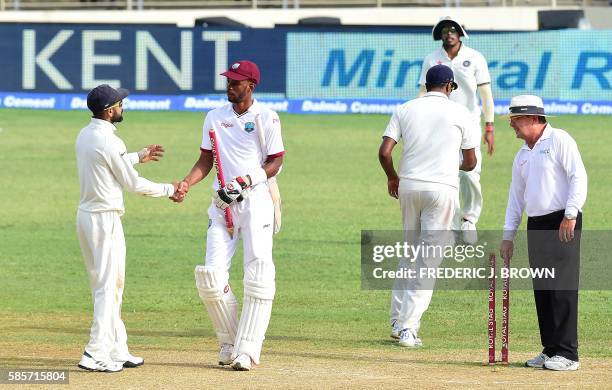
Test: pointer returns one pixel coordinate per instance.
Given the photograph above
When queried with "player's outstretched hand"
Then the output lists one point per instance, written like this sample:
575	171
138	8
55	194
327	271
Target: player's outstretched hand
234	191
180	191
489	139
151	153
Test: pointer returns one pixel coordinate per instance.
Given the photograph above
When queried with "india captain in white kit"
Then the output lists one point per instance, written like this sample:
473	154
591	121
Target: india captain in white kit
105	171
248	160
472	76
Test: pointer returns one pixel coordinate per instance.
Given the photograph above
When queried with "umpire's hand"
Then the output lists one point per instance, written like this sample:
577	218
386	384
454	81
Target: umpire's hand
506	249
566	230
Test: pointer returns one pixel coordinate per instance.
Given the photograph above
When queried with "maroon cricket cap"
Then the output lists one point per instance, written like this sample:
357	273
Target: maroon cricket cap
243	70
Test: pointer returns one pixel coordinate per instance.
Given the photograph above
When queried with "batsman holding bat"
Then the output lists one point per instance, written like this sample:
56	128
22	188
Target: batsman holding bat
243	141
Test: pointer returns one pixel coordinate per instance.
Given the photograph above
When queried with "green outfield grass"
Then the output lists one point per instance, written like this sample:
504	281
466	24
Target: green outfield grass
332	188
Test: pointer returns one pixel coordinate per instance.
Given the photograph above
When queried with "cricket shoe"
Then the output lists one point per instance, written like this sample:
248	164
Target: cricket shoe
560	363
128	361
225	354
538	361
242	363
408	338
469	233
90	364
395	330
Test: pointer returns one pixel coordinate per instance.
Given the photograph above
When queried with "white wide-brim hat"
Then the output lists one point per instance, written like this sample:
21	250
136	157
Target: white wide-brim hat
436	31
526	105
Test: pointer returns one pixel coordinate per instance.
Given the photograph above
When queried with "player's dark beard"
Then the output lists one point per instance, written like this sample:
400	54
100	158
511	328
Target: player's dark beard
237	98
117	117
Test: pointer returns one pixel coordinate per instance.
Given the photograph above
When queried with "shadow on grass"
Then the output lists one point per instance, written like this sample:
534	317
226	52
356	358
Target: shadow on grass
71	364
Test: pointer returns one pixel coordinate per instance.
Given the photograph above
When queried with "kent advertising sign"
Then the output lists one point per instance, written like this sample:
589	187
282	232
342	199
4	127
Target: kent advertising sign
143	59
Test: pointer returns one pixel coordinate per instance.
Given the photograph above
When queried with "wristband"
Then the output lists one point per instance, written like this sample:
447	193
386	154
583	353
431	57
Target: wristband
489	128
142	154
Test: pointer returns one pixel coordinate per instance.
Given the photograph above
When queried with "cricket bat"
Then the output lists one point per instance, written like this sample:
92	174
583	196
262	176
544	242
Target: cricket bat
218	167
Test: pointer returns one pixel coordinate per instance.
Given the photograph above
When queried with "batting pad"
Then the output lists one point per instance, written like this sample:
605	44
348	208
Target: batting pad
220	302
259	289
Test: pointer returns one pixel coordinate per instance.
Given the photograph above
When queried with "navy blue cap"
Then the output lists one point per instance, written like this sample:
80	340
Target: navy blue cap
103	96
440	75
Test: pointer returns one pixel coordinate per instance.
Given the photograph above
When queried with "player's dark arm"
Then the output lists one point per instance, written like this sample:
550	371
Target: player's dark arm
273	165
200	169
385	156
488	110
469	159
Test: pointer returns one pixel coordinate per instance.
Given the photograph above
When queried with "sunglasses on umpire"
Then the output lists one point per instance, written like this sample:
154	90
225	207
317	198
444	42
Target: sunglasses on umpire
449	29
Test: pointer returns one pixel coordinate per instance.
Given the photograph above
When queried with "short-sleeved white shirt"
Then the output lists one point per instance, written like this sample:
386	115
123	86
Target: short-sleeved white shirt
470	69
238	142
433	128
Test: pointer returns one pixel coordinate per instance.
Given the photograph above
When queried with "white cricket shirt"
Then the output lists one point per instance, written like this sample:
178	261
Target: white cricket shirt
238	141
105	169
470	70
548	178
433	129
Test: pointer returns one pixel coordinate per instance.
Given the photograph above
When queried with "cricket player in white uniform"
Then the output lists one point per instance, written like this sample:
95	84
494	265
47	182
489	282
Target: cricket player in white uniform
472	75
246	169
433	128
105	170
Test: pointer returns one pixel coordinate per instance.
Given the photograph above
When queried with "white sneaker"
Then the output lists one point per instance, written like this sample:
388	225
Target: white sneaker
408	338
559	363
395	330
468	230
128	361
225	354
538	361
242	363
90	364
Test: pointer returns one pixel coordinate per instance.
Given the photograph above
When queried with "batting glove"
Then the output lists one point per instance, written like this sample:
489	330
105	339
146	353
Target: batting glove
234	191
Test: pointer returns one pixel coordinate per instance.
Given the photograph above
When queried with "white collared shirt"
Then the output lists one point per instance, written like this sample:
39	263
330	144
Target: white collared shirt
238	142
105	169
470	70
433	128
548	178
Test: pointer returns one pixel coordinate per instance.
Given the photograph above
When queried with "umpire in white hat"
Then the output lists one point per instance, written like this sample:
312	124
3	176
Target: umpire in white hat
549	183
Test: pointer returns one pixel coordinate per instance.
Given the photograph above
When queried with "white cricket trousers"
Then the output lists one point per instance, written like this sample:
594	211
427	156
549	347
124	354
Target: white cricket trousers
103	246
470	194
424	215
253	222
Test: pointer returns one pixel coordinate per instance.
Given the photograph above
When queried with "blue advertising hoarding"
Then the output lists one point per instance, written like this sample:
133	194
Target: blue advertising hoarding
563	65
314	71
